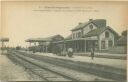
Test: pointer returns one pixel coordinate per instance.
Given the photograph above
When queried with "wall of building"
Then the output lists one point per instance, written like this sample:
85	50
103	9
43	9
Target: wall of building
103	38
75	34
82	31
87	28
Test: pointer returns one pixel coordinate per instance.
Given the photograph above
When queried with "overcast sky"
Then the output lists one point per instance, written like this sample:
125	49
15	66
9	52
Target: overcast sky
23	20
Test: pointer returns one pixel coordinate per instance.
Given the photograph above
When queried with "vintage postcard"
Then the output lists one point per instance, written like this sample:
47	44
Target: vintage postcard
63	41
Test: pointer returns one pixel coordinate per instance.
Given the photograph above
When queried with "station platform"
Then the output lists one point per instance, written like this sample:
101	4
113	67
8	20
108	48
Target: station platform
116	63
97	66
104	55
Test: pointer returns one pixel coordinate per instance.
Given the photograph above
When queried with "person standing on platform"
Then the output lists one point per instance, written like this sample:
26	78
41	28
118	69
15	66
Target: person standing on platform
70	52
92	53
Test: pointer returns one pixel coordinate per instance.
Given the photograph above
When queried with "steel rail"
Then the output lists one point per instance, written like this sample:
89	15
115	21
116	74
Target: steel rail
105	74
63	75
15	60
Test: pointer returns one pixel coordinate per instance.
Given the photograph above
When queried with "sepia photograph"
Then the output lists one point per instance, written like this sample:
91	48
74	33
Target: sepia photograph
63	40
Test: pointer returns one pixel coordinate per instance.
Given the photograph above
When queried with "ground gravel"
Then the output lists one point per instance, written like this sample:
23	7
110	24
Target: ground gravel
12	72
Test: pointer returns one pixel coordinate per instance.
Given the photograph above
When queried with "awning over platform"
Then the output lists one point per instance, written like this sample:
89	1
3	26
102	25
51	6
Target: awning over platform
47	39
77	39
37	40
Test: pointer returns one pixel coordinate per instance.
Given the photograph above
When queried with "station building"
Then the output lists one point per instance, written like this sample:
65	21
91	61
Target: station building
93	33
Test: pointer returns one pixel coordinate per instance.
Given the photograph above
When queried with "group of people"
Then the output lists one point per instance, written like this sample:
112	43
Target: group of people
70	52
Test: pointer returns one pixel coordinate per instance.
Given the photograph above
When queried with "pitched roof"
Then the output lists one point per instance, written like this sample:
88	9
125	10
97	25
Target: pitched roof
42	39
81	25
95	22
98	31
32	39
94	32
122	40
68	37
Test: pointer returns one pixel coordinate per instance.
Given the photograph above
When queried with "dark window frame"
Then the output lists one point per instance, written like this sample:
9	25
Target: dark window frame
110	43
107	34
103	44
91	26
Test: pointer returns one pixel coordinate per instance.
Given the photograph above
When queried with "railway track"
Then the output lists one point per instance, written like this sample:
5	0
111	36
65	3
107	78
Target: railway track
109	73
44	73
74	66
31	70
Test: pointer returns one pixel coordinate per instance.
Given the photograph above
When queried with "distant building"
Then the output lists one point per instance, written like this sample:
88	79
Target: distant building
93	33
121	45
43	44
122	41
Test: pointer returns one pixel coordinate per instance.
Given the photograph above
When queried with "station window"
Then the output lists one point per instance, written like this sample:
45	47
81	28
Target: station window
79	34
76	35
102	44
73	35
107	34
91	26
110	43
